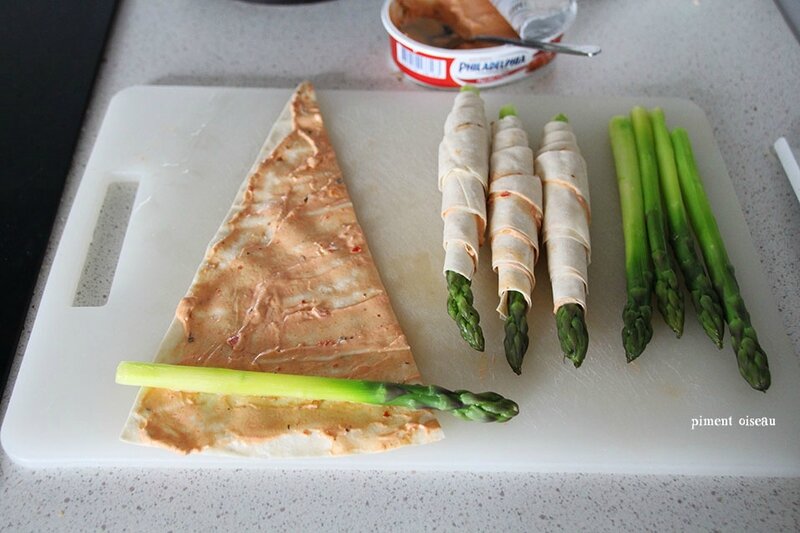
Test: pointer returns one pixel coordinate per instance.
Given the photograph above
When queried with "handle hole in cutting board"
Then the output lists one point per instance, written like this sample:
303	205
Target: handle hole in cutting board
103	254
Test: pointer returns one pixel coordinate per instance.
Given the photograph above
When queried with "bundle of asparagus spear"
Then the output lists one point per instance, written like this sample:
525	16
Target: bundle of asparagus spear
518	211
651	162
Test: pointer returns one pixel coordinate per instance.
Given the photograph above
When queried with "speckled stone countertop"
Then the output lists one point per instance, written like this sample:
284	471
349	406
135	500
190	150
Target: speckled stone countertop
737	60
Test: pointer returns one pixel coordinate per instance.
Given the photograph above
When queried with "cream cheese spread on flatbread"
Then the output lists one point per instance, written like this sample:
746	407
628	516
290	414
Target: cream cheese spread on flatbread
287	285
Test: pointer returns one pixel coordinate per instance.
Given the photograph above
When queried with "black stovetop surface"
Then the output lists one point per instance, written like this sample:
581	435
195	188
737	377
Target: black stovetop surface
51	53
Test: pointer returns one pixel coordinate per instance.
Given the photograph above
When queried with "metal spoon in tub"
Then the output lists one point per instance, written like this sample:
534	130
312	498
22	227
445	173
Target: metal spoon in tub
436	33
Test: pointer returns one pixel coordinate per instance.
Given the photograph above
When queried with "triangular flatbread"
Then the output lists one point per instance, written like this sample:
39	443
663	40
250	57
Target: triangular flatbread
287	285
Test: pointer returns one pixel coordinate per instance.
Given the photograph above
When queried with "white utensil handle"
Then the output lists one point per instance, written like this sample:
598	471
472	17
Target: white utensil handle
789	164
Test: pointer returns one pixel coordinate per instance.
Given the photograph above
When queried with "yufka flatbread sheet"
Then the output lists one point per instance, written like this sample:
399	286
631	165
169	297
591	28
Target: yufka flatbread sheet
287	285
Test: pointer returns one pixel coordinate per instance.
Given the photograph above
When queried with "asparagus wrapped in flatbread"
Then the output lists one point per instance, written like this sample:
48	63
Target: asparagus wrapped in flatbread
566	232
287	286
515	218
463	181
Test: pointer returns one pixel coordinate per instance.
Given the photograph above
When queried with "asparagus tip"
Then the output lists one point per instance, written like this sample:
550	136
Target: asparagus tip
472	334
470	88
753	364
561	117
576	361
760	384
516	330
515	354
636	330
508	110
477	407
485	407
572	333
479	344
460	308
675	323
632	352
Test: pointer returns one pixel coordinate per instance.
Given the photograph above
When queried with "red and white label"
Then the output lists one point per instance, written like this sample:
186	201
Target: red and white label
482	70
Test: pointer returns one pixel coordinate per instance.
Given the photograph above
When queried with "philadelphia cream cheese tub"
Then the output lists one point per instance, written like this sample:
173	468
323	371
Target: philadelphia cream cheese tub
447	68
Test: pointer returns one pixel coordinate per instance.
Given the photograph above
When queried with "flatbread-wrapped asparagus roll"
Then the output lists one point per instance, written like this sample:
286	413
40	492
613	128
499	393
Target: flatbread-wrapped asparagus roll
463	180
515	218
566	232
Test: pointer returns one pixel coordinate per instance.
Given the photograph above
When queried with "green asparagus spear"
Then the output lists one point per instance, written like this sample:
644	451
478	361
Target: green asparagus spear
570	321
484	407
750	356
460	309
705	300
516	328
668	292
636	316
572	333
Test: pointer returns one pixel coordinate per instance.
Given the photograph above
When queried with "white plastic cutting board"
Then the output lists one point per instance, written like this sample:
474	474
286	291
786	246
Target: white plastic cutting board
189	148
